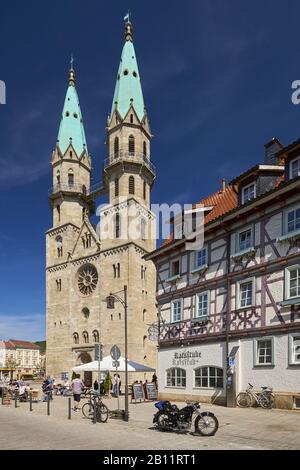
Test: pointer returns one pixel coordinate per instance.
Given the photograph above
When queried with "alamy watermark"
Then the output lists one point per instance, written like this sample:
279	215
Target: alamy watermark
2	92
296	94
128	220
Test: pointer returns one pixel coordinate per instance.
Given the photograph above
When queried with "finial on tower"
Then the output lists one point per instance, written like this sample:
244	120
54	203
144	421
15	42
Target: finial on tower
128	27
72	72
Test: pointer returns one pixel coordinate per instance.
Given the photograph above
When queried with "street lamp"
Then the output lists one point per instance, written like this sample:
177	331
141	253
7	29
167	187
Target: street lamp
110	302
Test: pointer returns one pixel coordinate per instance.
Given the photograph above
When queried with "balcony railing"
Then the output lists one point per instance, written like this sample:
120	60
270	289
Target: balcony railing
136	157
95	189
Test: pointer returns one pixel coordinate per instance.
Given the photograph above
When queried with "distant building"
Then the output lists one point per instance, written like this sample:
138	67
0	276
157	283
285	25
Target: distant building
230	312
18	358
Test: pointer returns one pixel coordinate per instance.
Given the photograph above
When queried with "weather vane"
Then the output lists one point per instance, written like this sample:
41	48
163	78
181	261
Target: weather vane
127	17
72	61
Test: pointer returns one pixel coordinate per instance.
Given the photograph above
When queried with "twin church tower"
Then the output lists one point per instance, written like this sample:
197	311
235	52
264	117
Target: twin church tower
84	264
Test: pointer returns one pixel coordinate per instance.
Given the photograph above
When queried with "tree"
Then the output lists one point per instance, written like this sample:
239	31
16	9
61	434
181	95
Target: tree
107	383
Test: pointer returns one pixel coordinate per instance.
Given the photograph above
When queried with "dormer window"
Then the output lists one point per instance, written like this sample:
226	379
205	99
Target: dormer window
248	193
295	168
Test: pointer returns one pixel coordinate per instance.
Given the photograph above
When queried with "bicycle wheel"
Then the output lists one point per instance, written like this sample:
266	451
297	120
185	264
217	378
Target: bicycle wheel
88	410
244	400
267	400
102	412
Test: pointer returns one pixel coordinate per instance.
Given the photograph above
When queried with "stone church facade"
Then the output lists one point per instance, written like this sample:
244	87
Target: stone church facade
84	265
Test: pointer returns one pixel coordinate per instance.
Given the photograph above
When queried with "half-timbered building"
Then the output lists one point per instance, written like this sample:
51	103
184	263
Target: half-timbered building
230	312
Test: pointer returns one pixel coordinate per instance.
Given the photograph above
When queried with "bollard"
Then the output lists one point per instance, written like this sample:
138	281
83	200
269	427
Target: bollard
30	402
69	407
16	401
48	405
95	412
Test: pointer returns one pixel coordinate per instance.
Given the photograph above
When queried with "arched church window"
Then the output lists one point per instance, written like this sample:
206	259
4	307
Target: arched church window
85	312
71	154
96	336
144	314
58	177
131	118
76	338
144	190
143	228
85	337
70	178
131	144
116	147
117	226
145	149
59	245
83	189
144	341
116	187
131	184
58	212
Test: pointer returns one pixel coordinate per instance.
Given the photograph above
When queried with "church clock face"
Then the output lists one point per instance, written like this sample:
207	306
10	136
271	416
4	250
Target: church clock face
87	279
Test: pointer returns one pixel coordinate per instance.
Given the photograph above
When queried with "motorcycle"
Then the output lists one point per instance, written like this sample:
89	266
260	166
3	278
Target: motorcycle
170	418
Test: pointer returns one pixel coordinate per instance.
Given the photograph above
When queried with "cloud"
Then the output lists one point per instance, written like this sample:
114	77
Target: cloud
23	327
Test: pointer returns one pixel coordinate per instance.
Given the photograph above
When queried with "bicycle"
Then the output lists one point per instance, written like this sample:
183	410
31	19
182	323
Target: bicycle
102	411
265	398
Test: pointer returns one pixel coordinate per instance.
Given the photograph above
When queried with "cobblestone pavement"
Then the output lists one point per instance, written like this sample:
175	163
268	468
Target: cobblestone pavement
239	429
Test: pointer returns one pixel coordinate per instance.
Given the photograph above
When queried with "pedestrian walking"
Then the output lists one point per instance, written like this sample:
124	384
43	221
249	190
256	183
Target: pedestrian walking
77	388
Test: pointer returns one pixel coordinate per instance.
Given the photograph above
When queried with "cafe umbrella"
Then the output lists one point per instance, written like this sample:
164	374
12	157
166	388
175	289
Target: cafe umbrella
108	364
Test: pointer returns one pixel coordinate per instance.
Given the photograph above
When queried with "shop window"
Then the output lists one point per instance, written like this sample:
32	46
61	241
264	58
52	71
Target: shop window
176	377
209	377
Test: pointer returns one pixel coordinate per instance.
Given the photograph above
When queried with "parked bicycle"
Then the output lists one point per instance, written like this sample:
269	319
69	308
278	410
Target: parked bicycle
265	398
88	408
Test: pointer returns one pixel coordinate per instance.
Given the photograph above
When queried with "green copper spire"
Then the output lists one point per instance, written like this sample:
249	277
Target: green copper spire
71	130
128	90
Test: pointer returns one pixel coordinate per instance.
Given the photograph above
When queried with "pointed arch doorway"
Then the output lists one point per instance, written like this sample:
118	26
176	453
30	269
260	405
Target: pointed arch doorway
84	358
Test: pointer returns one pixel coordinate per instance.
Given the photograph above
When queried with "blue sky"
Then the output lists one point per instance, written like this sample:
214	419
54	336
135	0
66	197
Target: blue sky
216	78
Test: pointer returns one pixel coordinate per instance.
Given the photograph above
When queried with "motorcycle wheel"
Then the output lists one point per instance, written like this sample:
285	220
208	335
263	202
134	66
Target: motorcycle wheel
162	421
206	425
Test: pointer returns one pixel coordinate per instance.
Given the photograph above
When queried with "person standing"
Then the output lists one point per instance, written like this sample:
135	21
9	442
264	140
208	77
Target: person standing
77	387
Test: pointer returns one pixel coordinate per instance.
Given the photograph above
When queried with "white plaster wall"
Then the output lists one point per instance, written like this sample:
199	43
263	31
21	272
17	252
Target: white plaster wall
211	354
281	376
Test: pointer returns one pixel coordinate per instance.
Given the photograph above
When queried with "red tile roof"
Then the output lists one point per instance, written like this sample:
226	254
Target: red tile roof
8	345
23	344
221	201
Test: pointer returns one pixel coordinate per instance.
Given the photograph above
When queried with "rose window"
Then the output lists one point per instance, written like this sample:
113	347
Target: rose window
87	279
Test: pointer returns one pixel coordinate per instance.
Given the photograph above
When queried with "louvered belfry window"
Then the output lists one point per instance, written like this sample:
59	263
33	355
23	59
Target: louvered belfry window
131	146
131	185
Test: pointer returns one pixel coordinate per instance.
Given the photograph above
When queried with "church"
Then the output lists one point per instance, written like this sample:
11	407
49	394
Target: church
85	263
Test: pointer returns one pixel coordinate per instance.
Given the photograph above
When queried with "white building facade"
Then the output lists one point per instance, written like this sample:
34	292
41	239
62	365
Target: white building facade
230	312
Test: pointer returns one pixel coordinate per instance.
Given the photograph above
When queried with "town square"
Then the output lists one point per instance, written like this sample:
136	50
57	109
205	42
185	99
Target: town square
150	229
